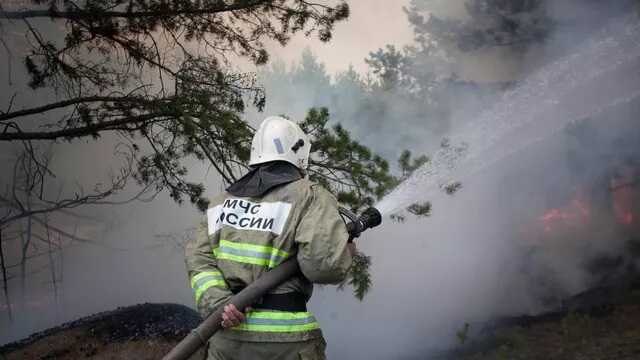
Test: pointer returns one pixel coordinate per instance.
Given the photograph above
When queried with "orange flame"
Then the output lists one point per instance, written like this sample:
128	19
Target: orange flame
576	213
623	205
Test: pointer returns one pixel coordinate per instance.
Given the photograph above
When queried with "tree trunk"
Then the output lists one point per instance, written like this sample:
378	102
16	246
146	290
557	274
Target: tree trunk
5	281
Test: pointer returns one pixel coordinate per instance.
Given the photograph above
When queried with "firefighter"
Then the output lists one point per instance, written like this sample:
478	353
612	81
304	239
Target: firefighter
270	214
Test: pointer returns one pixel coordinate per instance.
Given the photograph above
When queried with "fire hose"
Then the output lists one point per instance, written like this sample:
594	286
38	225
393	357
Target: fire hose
249	295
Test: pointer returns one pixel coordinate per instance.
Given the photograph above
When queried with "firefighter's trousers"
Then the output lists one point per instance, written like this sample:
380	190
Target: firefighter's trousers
227	349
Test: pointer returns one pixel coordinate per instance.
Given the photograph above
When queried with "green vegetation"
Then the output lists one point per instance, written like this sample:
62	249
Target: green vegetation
359	276
157	75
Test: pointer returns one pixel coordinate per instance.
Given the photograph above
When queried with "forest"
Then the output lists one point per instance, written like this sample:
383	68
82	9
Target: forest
499	140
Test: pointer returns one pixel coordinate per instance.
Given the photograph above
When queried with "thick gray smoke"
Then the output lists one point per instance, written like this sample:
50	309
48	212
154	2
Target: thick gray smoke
486	252
524	233
121	255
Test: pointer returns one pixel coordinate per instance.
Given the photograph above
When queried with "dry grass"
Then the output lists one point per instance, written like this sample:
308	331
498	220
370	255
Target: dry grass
615	336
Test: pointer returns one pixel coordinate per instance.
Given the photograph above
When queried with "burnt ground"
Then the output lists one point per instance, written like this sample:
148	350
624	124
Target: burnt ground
602	323
145	331
599	324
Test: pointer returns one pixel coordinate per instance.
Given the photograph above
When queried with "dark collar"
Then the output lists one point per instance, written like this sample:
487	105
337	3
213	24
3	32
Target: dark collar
264	177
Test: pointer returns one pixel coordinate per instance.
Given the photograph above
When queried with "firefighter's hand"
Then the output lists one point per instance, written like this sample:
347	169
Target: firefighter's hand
232	316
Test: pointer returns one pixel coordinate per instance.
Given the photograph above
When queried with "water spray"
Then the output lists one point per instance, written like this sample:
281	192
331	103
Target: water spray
530	110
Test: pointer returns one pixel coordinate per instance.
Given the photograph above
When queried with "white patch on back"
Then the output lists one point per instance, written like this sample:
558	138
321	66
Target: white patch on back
247	215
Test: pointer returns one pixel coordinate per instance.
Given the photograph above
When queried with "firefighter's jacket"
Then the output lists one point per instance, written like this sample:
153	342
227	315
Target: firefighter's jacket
244	237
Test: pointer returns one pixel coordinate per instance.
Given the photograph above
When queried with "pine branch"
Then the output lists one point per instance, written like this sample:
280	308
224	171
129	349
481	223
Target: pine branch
67	103
82	131
81	13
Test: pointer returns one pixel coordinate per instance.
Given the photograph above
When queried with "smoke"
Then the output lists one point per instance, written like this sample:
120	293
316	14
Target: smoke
120	255
110	255
487	252
483	254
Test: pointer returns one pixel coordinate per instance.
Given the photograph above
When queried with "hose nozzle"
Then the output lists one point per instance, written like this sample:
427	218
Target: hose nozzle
370	218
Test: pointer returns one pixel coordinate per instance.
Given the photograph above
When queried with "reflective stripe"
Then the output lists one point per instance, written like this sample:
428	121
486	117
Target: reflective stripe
250	253
278	321
203	275
279	146
204	280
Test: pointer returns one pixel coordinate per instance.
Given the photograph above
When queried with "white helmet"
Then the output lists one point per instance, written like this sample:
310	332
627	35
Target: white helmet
280	139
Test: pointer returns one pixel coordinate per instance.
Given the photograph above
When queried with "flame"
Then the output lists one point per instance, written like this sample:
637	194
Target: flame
625	196
623	205
575	214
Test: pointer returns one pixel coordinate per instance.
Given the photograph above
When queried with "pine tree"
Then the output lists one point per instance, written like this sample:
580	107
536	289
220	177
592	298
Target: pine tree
157	73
